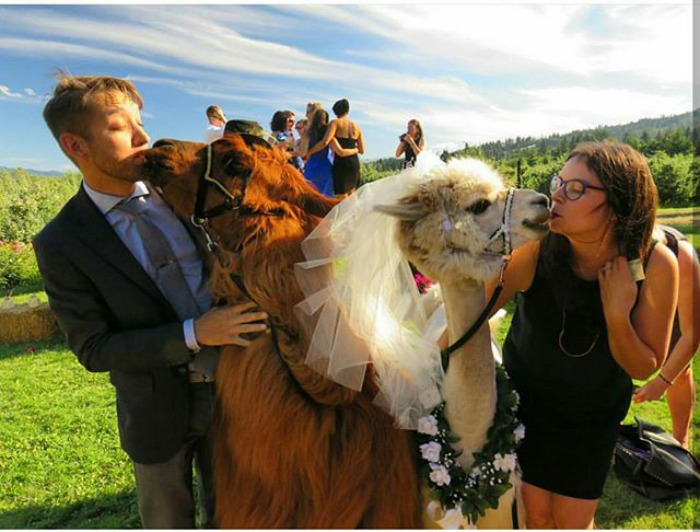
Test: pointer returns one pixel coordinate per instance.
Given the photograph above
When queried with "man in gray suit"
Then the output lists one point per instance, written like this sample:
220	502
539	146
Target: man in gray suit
130	291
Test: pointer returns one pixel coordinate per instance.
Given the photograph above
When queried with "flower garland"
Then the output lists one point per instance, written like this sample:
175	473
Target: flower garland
466	496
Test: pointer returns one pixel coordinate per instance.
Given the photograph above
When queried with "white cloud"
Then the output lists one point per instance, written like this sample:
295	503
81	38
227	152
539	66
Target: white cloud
29	92
7	93
474	72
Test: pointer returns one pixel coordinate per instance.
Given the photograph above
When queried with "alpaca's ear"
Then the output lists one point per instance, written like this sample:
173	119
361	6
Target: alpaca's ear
403	211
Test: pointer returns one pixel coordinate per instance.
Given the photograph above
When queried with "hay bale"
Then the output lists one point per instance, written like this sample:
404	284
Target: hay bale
27	322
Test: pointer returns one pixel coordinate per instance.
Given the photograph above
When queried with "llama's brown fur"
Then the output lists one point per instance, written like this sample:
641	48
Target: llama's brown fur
292	448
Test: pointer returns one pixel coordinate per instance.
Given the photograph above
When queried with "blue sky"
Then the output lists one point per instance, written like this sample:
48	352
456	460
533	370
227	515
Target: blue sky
471	72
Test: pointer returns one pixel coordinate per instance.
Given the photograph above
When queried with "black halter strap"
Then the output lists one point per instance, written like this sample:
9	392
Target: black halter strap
445	353
201	217
502	232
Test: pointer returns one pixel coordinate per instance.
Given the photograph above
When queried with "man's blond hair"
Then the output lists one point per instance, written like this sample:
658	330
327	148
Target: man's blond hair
75	99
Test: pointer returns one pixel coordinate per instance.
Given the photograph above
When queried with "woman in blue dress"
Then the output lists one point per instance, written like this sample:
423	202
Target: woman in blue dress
319	168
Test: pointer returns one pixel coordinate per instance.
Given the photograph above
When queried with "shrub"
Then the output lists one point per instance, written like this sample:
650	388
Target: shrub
18	267
28	202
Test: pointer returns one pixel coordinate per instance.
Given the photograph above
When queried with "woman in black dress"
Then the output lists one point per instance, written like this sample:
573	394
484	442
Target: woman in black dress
583	328
346	170
411	143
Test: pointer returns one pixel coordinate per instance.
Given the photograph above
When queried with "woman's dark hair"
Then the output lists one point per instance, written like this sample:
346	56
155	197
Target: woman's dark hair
318	127
631	195
341	107
279	120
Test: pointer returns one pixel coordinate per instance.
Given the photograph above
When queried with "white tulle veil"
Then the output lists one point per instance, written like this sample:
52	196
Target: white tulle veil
362	305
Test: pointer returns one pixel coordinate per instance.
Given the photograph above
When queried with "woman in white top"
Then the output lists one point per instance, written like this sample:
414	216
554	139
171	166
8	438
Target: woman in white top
217	121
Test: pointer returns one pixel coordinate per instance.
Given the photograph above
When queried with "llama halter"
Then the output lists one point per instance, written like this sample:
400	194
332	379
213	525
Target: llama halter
504	231
201	217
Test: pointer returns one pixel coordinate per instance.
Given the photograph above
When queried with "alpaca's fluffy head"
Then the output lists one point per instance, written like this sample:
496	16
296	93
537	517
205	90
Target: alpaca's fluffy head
448	219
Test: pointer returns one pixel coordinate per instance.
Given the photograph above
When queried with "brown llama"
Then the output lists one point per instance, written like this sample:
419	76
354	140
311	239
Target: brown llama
293	449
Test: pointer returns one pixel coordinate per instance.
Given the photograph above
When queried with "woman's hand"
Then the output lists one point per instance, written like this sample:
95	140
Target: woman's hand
651	391
618	292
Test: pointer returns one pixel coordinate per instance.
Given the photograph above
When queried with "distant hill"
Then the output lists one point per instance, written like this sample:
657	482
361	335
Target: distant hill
644	128
51	173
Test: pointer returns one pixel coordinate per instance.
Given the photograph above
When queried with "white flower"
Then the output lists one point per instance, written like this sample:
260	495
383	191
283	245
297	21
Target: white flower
428	425
504	463
517	397
430	397
431	451
439	475
453	520
475	472
519	432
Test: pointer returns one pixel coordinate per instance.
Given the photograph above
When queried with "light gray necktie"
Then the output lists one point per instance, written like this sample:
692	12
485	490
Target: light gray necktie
171	282
169	277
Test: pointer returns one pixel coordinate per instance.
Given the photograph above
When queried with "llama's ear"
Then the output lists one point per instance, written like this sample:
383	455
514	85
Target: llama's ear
403	211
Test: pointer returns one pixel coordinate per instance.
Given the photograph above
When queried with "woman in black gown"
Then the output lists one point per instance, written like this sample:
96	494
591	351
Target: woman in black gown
411	143
583	328
346	170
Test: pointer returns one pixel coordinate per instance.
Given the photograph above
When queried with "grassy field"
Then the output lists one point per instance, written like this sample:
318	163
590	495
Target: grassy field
61	465
60	461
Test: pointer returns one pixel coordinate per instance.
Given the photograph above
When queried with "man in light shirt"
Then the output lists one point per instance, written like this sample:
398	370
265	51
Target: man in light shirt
130	291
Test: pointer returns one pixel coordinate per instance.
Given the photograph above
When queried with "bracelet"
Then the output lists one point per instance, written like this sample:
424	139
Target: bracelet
664	379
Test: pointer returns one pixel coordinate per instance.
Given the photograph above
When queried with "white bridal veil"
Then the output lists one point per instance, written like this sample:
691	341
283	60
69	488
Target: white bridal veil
362	304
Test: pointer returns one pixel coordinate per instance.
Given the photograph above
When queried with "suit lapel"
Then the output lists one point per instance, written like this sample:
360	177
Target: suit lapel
94	230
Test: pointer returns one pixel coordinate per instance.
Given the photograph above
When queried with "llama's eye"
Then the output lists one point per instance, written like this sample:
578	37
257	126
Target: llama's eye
479	206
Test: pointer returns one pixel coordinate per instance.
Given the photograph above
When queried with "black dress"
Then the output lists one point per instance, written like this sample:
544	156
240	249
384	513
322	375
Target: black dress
409	154
571	406
346	170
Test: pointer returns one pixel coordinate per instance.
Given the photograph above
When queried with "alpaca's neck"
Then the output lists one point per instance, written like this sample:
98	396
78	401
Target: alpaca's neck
469	388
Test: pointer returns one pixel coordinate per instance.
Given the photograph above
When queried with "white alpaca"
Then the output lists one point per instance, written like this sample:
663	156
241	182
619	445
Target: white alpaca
447	227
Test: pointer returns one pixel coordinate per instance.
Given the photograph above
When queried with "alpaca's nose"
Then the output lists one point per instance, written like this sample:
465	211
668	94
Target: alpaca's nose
540	200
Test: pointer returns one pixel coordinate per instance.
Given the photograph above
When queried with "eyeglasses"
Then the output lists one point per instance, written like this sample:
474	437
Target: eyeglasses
573	188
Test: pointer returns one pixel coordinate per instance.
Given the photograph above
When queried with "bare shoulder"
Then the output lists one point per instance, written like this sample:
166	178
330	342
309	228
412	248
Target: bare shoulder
686	253
661	262
661	271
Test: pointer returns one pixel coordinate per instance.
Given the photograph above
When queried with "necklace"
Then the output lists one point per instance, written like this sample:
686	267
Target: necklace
561	337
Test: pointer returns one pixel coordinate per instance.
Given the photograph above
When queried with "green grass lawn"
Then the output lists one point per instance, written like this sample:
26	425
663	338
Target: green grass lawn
60	461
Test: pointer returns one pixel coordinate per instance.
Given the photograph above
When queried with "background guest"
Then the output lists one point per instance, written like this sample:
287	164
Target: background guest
217	120
281	126
319	169
411	143
346	169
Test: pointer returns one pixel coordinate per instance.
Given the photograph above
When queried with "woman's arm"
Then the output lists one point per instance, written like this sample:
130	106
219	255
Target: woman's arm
412	143
638	337
689	321
360	141
401	148
340	151
303	146
325	141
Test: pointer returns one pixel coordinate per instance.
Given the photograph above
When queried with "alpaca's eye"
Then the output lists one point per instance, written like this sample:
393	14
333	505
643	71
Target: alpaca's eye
479	206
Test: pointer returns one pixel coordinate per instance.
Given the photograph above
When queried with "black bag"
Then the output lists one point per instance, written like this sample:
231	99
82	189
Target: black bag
653	463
